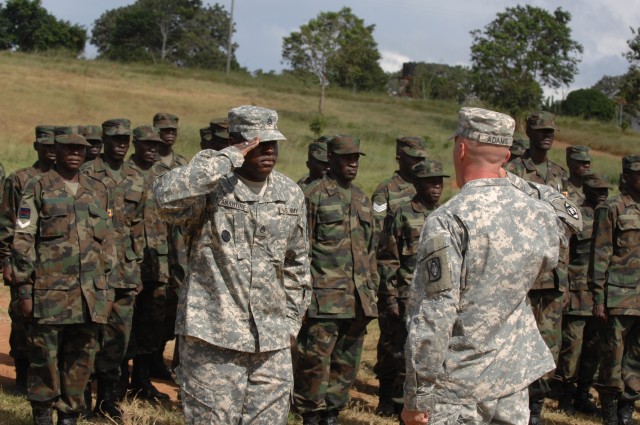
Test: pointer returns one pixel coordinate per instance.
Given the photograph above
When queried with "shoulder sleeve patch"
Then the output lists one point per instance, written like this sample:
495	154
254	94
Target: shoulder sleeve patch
435	265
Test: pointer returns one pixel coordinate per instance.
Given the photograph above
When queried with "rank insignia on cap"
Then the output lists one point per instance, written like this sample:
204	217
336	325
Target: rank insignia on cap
109	212
434	269
24	213
571	210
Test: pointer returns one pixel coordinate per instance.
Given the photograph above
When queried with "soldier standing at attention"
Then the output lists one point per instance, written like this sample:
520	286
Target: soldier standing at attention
614	276
546	295
62	255
389	195
12	192
578	360
93	134
317	162
396	257
167	124
146	334
126	203
218	135
473	346
345	282
578	163
247	288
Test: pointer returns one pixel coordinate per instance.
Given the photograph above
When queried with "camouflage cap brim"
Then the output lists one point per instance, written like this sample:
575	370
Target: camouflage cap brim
265	135
580	157
71	139
415	153
45	141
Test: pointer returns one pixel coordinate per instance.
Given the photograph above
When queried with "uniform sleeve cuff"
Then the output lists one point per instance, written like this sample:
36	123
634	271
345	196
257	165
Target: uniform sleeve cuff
422	403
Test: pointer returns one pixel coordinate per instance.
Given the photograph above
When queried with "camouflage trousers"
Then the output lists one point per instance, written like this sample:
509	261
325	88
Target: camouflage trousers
390	365
546	305
326	361
512	409
221	386
171	309
115	335
620	355
579	356
19	347
147	334
61	359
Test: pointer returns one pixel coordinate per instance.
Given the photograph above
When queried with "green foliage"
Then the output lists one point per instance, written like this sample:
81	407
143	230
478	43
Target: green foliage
179	32
437	81
26	26
630	85
318	125
338	47
588	104
523	48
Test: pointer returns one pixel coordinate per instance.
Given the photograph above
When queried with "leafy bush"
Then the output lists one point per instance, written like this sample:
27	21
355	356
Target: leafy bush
588	104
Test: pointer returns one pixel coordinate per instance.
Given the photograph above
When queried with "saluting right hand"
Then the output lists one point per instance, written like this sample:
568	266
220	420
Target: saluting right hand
245	147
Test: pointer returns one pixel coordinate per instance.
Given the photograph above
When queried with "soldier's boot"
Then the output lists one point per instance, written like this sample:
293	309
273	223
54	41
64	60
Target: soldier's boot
312	418
582	401
385	399
609	408
625	411
22	367
67	418
42	413
331	417
105	400
157	368
535	410
141	384
565	401
87	413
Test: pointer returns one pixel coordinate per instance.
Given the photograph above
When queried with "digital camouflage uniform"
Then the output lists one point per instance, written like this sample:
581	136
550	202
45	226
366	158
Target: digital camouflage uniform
472	337
247	286
396	259
126	203
62	254
614	275
13	186
546	294
345	282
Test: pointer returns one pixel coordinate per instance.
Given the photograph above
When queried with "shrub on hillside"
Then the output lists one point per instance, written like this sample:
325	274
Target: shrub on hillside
588	104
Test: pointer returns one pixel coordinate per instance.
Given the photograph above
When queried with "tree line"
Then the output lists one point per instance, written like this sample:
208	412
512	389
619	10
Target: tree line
524	49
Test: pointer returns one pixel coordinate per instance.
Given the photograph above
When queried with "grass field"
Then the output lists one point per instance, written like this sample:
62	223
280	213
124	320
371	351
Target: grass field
61	91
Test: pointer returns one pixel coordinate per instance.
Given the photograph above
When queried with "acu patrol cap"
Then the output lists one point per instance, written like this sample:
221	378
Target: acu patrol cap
485	126
116	127
253	121
165	120
541	120
596	181
631	163
146	133
92	132
343	144
412	146
44	134
579	153
318	150
427	168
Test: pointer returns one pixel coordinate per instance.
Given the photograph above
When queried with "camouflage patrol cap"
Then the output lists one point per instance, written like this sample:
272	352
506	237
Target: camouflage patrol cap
146	133
219	127
596	181
71	139
540	120
519	146
253	121
343	144
205	134
318	150
427	168
92	132
412	146
485	126
66	129
631	163
579	153
44	134
116	127
165	120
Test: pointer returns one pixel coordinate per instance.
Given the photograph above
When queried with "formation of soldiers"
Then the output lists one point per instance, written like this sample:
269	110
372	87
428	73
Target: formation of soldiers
94	271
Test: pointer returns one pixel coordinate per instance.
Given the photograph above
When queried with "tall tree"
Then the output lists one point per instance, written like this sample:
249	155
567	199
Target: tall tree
524	48
630	84
335	46
28	27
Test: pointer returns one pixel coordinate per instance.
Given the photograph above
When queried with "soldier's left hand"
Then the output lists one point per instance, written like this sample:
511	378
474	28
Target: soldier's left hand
26	305
7	276
139	288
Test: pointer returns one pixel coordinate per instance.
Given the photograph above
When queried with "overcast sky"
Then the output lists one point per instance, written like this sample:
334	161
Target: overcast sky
405	30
